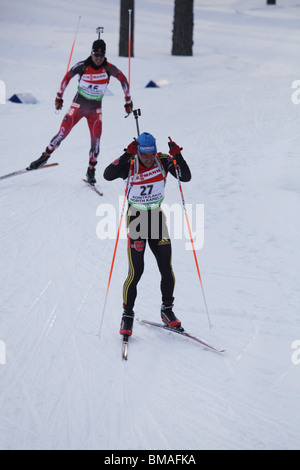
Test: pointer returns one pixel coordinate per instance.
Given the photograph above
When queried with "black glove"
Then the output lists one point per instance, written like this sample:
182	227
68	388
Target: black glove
128	106
58	103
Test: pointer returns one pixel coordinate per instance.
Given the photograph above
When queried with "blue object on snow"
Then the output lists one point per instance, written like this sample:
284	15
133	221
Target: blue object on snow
26	98
152	84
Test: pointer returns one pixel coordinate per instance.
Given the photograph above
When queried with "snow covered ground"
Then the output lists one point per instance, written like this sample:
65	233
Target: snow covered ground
231	108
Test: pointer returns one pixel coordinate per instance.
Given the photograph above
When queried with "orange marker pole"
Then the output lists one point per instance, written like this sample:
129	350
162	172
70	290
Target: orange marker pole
129	46
73	44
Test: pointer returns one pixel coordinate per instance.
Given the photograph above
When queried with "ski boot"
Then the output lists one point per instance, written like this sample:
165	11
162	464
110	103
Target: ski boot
127	322
40	161
168	316
90	176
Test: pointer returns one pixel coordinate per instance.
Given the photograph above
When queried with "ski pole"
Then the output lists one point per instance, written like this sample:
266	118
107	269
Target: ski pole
116	244
191	236
73	43
129	45
129	50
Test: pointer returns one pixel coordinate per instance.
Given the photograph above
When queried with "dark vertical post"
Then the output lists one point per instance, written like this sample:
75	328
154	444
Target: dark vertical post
183	25
126	5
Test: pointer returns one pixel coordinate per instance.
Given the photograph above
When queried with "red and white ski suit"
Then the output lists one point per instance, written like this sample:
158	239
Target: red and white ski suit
92	84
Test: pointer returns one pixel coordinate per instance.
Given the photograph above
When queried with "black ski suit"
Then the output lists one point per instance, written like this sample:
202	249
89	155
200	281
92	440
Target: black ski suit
148	223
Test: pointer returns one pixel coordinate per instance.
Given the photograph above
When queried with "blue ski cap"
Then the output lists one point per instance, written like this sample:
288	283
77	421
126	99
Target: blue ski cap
147	143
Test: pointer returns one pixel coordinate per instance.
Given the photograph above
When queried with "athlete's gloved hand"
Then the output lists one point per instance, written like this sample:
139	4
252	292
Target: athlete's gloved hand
132	147
174	148
128	105
58	103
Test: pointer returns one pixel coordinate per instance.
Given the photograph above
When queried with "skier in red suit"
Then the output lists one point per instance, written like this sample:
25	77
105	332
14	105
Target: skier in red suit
94	75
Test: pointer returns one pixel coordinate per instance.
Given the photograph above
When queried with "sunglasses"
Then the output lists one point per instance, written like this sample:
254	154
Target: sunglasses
98	54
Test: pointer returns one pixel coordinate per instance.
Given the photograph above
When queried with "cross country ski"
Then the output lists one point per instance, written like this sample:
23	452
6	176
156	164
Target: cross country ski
183	333
93	187
26	170
125	347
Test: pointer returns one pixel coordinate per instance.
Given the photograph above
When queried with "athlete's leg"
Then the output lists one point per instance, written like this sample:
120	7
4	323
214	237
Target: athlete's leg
135	252
162	251
69	121
94	119
71	118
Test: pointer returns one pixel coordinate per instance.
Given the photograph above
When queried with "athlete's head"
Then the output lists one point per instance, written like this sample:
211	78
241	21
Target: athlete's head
147	143
98	51
99	47
146	149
